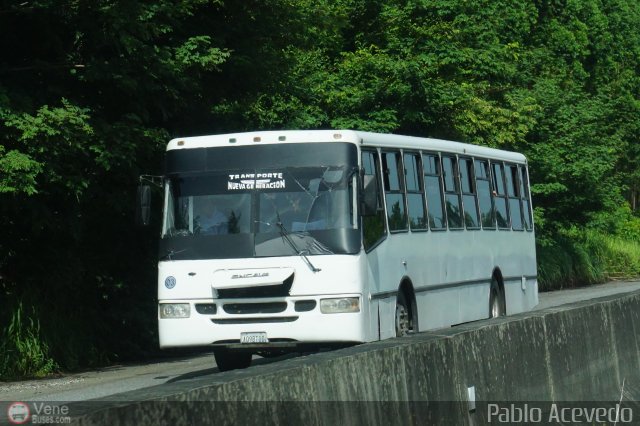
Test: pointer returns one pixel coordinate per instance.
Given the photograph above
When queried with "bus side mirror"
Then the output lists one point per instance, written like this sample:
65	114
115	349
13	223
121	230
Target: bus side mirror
143	205
370	195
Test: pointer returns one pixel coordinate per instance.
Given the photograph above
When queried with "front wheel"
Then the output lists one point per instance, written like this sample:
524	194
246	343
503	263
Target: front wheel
227	360
271	353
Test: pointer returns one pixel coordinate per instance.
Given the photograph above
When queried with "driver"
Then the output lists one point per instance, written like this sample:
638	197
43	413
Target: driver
211	219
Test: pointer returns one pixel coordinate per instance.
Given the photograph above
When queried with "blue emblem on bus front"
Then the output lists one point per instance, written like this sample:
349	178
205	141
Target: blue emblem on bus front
170	282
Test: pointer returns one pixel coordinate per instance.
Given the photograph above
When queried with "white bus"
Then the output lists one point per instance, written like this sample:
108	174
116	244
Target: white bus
300	240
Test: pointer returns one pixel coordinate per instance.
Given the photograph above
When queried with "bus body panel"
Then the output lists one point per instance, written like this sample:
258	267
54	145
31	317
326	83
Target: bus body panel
193	283
194	278
451	272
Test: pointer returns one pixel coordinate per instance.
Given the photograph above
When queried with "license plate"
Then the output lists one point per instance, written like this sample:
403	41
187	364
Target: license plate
256	337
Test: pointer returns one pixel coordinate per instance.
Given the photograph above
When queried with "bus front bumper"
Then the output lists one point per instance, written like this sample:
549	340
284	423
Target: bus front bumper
287	329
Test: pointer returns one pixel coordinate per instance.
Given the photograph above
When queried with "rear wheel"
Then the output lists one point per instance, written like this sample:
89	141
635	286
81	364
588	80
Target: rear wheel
227	360
496	300
403	316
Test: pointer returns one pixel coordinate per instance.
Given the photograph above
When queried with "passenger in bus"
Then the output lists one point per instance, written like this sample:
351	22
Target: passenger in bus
211	220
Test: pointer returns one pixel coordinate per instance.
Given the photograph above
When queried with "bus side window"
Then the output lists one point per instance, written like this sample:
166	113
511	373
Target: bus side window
469	202
500	196
513	191
373	226
433	189
483	187
524	196
415	196
394	191
452	192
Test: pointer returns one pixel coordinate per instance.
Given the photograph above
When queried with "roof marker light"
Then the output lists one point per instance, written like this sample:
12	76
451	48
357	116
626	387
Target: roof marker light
257	139
180	143
337	135
282	138
232	140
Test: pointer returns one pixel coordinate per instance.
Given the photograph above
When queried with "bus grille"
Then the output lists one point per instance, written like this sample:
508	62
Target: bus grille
254	320
255	308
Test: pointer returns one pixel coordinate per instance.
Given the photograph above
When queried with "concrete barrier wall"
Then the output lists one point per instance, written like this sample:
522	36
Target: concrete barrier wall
579	352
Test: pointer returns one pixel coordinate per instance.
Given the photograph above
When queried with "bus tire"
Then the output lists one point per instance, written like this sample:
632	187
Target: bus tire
496	300
403	318
227	360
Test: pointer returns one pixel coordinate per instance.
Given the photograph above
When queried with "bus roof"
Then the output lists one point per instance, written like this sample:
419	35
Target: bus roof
383	140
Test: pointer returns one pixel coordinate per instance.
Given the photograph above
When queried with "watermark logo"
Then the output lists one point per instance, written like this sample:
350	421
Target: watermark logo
555	413
18	413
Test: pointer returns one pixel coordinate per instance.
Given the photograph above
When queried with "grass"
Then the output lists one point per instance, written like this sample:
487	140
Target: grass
619	258
583	257
23	352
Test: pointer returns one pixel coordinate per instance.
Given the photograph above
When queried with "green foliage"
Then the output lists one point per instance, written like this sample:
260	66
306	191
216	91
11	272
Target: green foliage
564	264
629	229
91	91
86	97
197	52
23	352
19	172
52	140
616	257
580	257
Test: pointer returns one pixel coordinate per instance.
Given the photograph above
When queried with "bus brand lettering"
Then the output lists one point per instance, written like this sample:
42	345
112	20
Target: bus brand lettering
250	275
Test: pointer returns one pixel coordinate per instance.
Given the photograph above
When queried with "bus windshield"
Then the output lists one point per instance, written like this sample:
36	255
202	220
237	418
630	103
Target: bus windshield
253	212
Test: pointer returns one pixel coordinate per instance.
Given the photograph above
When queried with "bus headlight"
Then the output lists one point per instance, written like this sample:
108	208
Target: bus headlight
340	305
175	310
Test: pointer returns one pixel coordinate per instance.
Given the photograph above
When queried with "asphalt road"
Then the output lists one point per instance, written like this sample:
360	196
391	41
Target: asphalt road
562	297
121	378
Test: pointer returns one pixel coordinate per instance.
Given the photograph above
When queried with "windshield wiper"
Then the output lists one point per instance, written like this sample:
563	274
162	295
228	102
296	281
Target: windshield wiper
170	253
285	235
